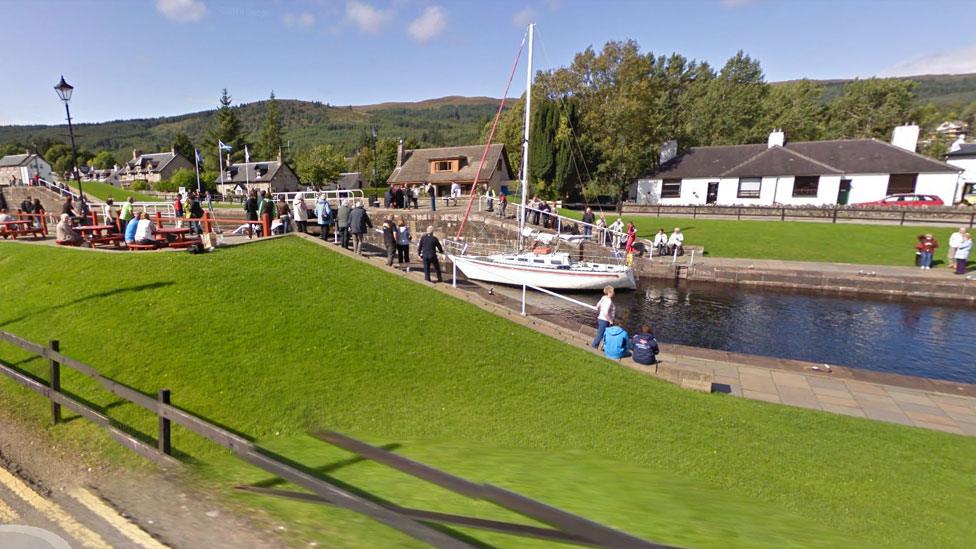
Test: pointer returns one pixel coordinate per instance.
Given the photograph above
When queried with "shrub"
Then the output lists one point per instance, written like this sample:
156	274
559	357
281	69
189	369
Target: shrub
139	185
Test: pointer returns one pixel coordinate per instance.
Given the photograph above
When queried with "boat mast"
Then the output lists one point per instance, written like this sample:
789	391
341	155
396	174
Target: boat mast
525	140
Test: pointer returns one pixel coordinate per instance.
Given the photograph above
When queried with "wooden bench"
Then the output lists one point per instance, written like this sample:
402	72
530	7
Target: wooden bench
37	233
109	239
187	243
133	246
68	243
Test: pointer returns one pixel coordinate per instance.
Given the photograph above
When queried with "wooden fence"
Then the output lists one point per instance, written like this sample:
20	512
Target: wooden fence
939	216
427	526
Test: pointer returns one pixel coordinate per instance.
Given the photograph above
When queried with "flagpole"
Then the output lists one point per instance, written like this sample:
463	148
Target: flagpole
196	163
220	164
247	175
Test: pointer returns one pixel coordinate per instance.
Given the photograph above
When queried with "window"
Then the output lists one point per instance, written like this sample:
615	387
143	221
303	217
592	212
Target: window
901	183
806	185
443	166
749	187
671	188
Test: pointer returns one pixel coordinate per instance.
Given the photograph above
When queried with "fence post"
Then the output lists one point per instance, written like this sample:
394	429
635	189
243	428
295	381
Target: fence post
206	222
55	383
738	214
835	216
902	222
694	212
164	428
972	219
266	225
94	217
782	214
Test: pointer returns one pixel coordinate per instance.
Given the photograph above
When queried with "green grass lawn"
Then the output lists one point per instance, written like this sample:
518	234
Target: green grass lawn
794	240
276	338
101	191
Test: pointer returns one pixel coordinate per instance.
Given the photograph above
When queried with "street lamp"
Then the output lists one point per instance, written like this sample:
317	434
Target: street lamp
64	92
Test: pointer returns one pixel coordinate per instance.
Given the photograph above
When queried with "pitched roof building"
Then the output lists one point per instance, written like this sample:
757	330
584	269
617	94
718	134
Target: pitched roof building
443	166
152	167
274	175
15	169
811	172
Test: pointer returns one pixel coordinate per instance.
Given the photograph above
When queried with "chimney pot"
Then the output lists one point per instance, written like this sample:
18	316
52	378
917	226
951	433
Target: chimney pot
669	150
399	154
905	137
777	138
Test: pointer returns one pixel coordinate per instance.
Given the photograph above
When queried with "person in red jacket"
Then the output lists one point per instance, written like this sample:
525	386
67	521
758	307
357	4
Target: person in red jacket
926	247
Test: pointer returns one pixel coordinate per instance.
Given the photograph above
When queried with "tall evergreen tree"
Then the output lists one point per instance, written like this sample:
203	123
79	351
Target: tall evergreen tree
227	129
183	146
270	140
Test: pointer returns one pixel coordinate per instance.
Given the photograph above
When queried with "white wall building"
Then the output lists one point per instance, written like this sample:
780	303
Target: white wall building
17	169
963	156
813	173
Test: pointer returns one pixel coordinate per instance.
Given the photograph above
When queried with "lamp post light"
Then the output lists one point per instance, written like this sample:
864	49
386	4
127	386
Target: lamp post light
64	92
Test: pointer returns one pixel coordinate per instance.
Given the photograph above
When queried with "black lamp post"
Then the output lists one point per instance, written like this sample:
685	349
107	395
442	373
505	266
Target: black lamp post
64	92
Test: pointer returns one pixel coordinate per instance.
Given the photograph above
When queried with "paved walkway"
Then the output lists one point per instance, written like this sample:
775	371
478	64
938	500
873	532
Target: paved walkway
869	271
819	390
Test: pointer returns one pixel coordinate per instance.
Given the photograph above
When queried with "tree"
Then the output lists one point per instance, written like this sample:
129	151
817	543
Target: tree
104	160
730	111
183	177
227	129
12	148
872	108
320	164
270	139
55	153
183	146
796	108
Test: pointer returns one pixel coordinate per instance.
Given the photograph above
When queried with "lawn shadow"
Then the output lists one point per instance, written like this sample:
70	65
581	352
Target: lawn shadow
99	295
328	468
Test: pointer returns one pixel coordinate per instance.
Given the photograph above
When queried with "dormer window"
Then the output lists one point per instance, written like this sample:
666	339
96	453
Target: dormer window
445	165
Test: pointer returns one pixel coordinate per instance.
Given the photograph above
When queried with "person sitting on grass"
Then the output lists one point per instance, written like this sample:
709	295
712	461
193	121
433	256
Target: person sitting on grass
130	228
145	229
644	346
66	233
616	344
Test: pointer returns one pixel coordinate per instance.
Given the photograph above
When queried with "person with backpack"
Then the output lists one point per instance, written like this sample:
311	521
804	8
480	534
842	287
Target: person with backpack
428	248
644	346
323	216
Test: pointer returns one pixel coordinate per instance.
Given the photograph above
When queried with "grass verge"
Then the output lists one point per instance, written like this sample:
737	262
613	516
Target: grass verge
277	338
103	191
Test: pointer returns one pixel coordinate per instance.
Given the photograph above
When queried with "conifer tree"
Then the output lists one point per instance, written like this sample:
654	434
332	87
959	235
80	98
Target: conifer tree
270	139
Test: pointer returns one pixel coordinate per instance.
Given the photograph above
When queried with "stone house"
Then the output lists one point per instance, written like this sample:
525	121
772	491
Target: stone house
19	168
152	167
446	165
274	175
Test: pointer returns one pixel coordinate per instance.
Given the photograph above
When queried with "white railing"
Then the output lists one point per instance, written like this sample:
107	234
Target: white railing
333	197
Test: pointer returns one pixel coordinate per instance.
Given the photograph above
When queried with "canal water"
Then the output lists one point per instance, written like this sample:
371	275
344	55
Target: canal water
911	337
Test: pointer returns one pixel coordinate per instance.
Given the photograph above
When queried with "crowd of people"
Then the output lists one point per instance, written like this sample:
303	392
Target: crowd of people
616	342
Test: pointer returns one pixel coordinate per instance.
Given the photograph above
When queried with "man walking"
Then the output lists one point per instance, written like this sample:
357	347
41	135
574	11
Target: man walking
428	248
359	223
390	239
588	219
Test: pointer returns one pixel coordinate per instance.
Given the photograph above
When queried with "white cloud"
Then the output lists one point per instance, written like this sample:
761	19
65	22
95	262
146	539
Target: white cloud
182	11
429	24
957	61
523	17
366	17
298	19
739	3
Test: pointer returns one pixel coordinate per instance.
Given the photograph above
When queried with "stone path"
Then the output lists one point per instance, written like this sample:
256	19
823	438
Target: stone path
819	390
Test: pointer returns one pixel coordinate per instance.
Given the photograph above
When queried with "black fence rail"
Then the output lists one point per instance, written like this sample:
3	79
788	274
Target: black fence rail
900	216
427	526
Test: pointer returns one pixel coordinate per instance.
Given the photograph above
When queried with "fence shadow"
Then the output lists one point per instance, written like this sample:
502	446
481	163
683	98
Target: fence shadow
99	295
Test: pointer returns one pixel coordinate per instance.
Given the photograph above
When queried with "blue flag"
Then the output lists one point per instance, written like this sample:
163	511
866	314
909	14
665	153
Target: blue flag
224	146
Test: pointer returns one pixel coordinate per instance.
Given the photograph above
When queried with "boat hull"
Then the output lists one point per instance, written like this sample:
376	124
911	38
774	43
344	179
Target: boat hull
477	268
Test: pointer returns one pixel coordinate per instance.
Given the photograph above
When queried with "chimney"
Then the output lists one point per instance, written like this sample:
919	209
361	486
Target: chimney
905	137
136	153
777	138
669	150
280	156
400	153
958	143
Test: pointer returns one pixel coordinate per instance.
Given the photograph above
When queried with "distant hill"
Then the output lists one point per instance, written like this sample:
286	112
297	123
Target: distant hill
434	122
947	91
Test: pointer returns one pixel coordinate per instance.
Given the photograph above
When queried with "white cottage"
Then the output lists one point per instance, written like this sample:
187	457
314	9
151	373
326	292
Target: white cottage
963	156
811	173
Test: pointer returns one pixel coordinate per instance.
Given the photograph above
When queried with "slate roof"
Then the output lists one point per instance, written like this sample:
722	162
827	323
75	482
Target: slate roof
257	172
966	150
416	164
14	160
153	162
842	156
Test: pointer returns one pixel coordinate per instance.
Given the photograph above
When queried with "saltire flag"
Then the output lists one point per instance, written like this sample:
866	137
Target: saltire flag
199	156
224	146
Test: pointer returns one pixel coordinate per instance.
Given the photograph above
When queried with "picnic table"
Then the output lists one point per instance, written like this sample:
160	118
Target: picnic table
21	227
176	237
99	234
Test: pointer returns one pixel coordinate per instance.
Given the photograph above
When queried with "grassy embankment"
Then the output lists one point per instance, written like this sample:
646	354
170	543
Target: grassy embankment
794	240
102	191
277	338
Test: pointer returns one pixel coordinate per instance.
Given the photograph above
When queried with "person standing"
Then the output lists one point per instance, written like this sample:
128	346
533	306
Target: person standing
27	206
432	191
955	239
455	192
601	228
342	223
403	242
926	247
359	223
428	248
196	212
644	346
962	253
284	214
588	219
503	205
110	215
605	312
323	215
126	214
616	229
178	209
301	213
415	196
390	239
38	213
398	197
490	197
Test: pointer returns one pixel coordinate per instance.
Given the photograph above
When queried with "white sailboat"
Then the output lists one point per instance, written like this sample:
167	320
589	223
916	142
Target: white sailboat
542	267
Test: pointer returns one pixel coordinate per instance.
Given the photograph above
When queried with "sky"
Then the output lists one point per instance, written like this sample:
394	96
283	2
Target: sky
150	58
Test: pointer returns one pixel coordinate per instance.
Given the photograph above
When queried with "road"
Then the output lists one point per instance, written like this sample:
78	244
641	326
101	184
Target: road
78	516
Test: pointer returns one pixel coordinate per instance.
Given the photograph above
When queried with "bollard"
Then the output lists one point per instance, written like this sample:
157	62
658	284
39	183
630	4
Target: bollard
55	383
163	441
523	299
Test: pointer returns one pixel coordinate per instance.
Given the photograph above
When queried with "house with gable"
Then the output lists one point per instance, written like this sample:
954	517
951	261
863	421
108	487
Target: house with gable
809	173
443	166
